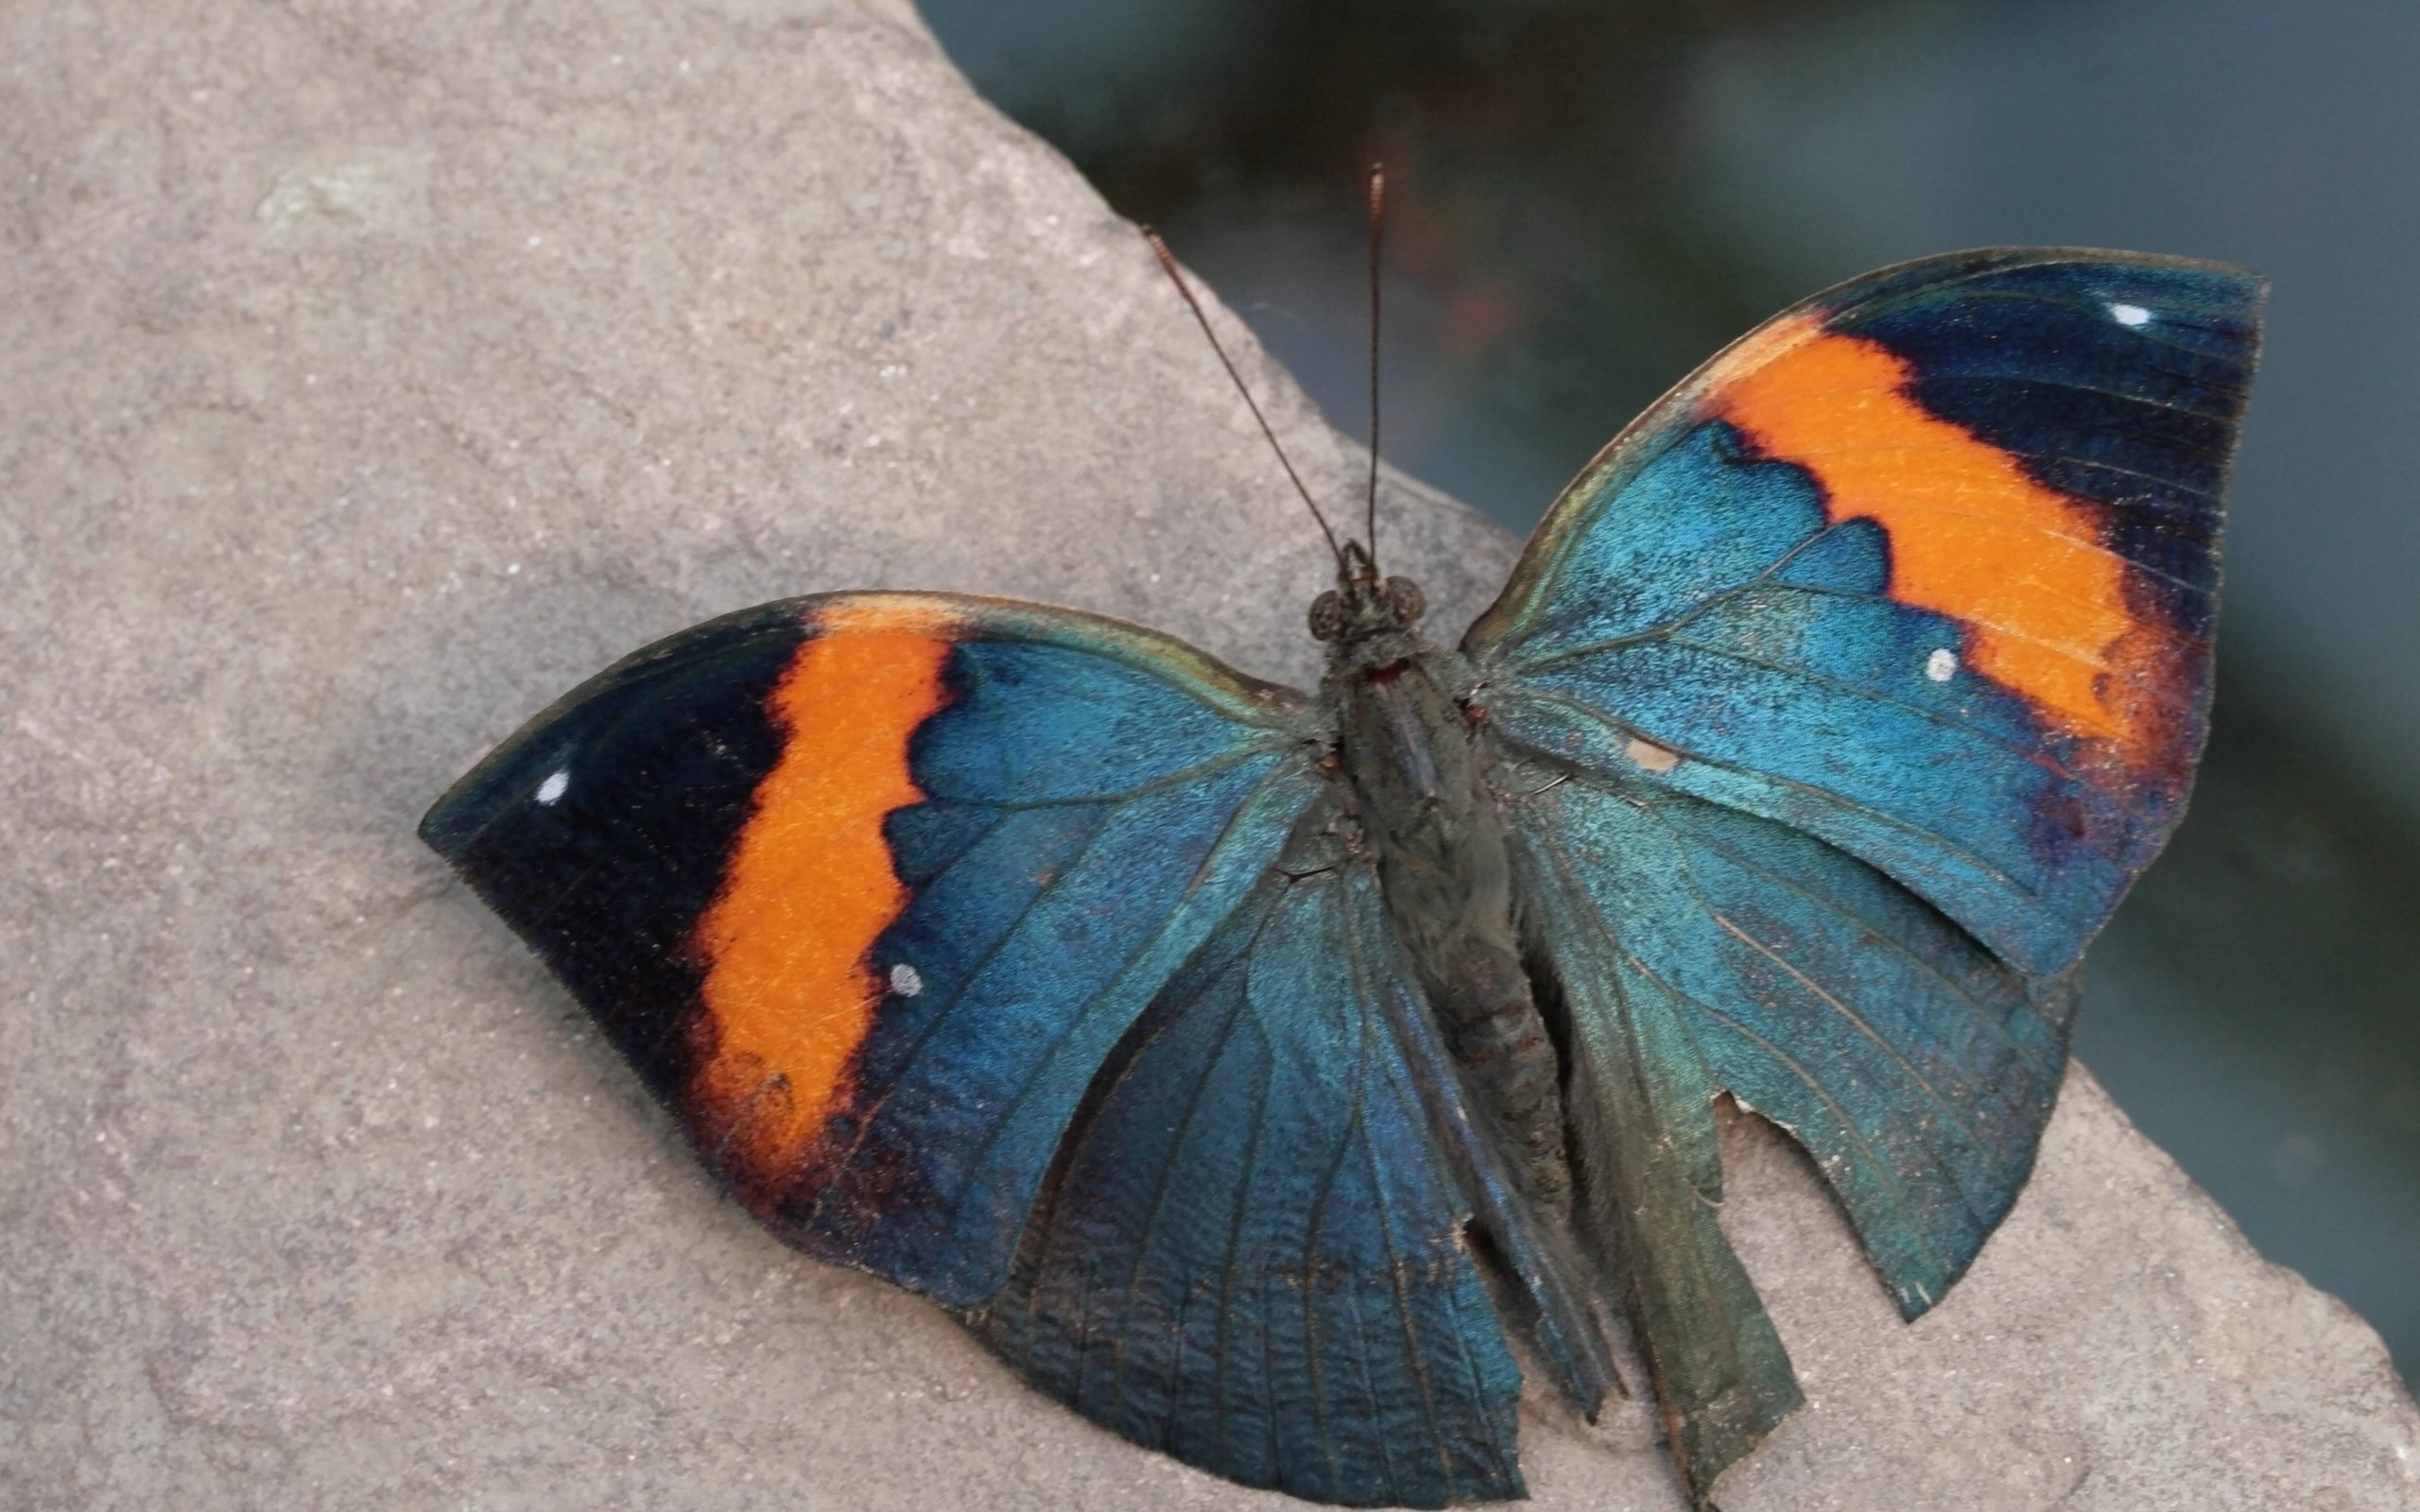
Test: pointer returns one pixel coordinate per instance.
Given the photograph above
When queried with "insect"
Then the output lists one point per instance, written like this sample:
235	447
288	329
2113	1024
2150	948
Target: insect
1246	1066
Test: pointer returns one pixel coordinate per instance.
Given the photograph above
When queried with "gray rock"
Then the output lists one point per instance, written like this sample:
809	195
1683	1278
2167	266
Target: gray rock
370	374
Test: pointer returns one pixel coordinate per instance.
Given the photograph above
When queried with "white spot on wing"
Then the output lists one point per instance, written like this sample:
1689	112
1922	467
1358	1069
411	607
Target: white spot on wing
1652	756
2130	314
904	981
556	785
1941	665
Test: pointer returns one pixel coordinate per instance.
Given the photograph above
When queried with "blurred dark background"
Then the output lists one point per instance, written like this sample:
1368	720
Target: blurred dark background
1587	198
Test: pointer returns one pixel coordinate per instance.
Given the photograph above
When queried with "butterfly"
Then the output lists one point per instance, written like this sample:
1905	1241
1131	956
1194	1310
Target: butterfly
1248	1066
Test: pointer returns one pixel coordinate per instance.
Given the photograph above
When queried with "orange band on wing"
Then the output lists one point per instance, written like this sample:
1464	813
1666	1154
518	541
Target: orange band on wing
809	887
1971	535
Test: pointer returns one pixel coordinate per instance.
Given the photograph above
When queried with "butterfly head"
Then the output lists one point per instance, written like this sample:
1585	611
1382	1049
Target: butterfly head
1366	619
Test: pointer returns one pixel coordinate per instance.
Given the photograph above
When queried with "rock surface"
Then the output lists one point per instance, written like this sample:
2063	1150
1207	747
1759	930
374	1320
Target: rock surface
370	374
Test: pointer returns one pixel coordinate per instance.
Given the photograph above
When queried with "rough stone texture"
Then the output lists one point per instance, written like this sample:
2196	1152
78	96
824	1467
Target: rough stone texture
371	373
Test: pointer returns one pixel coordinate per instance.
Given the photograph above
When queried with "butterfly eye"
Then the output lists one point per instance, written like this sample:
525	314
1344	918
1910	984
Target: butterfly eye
1327	616
1409	603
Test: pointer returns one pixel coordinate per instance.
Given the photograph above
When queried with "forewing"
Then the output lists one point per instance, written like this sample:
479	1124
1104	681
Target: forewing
1925	568
866	888
1250	1254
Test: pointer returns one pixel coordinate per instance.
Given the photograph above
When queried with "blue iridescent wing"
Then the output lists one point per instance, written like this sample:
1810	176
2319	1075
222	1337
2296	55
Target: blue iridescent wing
1924	567
1847	692
868	886
1725	952
1249	1255
961	934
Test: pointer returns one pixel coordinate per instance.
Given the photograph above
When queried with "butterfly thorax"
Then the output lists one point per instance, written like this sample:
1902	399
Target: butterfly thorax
1416	768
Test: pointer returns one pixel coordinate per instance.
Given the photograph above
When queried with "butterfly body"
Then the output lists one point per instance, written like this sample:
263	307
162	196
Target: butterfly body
1412	752
1246	1066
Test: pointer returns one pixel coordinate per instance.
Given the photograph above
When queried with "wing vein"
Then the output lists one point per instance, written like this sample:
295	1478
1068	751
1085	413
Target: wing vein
1167	1170
990	1138
1889	942
1877	817
1359	965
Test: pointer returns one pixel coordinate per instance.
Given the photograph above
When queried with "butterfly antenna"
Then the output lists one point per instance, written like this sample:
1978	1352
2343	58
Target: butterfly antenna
1167	264
1377	221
